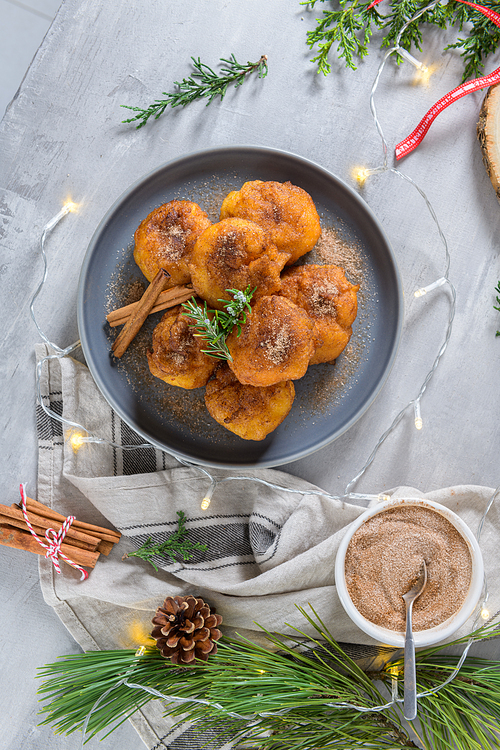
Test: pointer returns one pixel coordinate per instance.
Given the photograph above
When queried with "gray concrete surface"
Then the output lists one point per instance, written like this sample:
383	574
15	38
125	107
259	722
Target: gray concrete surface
62	137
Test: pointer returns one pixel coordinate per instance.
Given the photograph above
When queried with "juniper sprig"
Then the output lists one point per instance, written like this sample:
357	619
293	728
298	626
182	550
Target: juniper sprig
203	83
350	27
177	543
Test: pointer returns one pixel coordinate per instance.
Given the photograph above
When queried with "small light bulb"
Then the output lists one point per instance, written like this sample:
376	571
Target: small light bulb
418	416
70	207
409	58
360	174
208	497
382	498
430	287
485	613
141	650
76	440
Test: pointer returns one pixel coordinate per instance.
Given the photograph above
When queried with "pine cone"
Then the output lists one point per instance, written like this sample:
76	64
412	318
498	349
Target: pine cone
186	629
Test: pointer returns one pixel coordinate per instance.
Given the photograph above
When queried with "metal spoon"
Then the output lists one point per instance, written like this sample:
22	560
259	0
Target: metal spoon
410	677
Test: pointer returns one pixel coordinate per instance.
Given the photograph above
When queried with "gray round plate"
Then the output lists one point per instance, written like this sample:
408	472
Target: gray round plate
329	398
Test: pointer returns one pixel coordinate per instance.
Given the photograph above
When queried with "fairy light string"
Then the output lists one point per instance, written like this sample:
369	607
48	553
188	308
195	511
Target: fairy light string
53	548
78	435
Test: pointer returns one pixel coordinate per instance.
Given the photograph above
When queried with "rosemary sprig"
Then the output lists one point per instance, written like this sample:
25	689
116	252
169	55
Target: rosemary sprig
352	25
497	307
177	543
216	325
203	83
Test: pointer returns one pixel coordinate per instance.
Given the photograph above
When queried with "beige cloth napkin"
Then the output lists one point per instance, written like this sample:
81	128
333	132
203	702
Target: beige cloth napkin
269	549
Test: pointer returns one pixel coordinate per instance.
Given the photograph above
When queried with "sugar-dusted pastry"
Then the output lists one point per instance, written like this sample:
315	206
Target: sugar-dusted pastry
177	356
250	412
235	254
284	210
276	343
166	237
331	302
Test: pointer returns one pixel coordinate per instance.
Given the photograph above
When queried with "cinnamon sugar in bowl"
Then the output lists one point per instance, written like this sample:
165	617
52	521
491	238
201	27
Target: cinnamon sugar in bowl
380	558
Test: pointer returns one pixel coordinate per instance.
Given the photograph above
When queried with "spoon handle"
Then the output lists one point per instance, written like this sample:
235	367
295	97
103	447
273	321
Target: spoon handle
410	677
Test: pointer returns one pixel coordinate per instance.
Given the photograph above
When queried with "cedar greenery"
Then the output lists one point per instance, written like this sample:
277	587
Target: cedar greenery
177	543
350	27
215	325
203	83
284	697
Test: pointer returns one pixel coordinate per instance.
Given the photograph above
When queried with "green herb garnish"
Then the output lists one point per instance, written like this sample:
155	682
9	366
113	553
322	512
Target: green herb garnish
204	83
350	28
216	325
177	543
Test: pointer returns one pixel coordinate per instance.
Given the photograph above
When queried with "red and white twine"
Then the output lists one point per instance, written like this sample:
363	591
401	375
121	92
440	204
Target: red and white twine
53	538
416	137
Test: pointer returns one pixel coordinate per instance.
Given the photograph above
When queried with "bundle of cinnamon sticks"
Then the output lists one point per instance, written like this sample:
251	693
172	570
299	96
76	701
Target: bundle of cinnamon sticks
83	543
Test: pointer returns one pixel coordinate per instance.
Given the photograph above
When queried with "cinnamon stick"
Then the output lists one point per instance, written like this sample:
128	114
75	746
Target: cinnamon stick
109	535
46	523
141	312
168	298
40	530
18	539
105	547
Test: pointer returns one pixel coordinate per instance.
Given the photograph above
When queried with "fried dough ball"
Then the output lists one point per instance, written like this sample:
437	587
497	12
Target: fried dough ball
176	357
166	237
276	343
331	302
248	411
235	254
285	211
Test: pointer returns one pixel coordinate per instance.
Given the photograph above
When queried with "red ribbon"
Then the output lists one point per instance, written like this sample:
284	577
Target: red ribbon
416	137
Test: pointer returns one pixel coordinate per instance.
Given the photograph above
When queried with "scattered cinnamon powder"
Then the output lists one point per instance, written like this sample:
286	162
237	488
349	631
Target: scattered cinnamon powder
332	248
384	559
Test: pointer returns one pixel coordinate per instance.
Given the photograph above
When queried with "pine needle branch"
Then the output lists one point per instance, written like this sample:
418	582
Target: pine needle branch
282	697
176	544
203	83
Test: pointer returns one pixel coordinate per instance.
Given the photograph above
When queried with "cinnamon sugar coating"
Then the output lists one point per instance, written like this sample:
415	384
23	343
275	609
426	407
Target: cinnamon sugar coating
331	302
166	238
384	559
276	343
249	411
284	210
235	254
176	356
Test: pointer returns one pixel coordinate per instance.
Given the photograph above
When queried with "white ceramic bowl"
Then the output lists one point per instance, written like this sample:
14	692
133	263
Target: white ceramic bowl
445	629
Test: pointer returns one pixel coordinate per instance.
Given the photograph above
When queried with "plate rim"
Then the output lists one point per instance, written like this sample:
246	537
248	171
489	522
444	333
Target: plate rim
243	148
